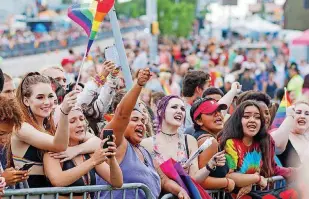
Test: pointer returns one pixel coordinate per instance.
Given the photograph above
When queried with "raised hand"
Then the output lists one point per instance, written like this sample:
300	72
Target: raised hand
143	76
107	68
69	102
112	148
236	87
100	155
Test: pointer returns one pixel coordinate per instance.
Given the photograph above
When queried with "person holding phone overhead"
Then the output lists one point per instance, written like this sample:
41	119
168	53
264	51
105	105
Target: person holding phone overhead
128	126
81	170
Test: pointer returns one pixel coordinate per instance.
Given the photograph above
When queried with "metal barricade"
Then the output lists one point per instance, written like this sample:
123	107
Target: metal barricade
276	182
84	191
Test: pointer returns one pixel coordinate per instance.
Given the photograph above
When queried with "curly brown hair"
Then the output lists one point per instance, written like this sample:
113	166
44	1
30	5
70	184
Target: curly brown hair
10	112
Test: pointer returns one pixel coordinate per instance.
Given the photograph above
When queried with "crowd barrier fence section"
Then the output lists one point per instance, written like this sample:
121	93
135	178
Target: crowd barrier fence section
276	183
53	45
84	191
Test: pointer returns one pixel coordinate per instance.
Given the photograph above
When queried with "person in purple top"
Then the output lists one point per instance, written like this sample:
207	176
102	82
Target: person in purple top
129	129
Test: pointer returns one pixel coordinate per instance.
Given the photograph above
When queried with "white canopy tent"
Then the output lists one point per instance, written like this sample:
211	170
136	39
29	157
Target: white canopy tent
249	25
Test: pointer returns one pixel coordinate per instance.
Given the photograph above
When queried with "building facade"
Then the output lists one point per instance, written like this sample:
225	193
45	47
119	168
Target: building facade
295	15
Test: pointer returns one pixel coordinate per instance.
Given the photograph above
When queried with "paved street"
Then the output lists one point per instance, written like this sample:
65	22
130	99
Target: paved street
21	65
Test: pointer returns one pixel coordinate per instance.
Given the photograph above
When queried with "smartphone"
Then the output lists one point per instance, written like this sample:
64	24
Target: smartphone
107	133
111	54
26	167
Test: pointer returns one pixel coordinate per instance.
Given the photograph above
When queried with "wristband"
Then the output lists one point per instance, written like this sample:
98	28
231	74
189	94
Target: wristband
210	169
99	80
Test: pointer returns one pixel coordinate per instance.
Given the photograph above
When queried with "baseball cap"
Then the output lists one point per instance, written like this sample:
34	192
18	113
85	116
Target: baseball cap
206	106
66	61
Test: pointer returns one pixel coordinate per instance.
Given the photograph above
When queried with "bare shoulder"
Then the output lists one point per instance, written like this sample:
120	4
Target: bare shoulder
203	139
191	139
147	143
24	129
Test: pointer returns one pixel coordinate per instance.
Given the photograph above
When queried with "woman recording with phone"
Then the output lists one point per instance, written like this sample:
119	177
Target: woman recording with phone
81	170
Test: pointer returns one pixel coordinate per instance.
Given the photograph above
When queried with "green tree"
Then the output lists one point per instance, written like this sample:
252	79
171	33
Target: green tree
175	19
134	8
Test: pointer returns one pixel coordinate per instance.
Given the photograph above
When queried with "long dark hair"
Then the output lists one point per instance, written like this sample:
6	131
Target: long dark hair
233	129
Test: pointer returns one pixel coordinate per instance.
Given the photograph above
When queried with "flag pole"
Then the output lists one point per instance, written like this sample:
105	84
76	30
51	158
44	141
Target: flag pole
120	49
80	69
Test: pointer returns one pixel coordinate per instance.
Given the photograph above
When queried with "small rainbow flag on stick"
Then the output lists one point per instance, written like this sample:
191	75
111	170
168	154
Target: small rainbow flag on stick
166	88
89	17
281	112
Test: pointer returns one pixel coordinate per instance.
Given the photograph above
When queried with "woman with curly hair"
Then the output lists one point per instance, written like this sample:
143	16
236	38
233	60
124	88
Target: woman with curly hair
11	119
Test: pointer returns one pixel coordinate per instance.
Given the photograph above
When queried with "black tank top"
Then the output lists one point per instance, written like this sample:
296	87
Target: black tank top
35	155
80	182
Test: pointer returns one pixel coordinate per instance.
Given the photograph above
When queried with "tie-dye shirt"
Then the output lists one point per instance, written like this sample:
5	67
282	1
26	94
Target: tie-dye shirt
242	158
248	159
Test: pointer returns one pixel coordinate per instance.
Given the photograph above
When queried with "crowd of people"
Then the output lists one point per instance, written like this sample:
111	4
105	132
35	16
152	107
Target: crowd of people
56	32
198	90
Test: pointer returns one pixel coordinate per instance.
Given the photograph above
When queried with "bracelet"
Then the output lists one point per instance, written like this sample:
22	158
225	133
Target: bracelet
63	112
210	169
99	80
260	179
227	183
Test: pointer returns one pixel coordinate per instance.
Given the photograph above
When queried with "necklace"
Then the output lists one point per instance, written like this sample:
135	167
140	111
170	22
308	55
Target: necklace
171	135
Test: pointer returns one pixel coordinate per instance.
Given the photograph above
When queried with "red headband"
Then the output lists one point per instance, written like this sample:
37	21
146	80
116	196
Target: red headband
208	107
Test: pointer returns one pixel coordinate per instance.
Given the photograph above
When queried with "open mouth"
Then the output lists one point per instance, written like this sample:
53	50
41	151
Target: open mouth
301	122
219	121
140	131
251	127
80	132
178	117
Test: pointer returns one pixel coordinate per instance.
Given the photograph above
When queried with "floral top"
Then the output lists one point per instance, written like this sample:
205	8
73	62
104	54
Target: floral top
242	158
182	156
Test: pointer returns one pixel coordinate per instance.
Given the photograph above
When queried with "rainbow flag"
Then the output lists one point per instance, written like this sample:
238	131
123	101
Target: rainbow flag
174	171
90	16
166	88
281	112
